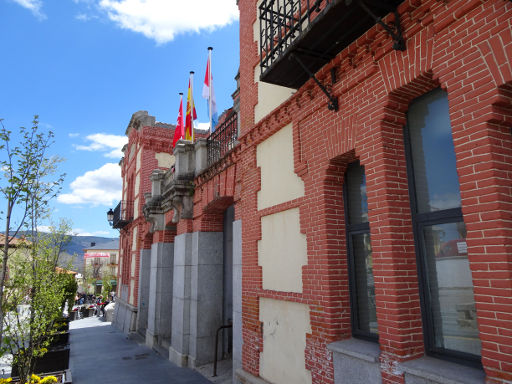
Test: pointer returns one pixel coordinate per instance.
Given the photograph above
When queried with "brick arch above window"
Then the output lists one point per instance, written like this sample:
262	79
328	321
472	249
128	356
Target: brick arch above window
498	57
399	68
147	241
211	219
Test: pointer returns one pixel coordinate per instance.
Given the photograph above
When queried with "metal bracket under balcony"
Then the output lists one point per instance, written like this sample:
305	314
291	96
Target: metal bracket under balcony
315	32
332	105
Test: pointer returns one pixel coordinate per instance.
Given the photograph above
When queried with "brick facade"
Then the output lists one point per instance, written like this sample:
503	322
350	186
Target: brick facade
464	47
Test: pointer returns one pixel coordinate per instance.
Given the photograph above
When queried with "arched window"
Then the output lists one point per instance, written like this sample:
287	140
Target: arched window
446	288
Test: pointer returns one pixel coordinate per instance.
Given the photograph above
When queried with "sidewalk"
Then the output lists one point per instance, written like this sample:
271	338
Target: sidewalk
102	354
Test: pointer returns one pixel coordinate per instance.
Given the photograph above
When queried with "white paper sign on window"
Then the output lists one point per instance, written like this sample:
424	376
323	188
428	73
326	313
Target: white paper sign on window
462	247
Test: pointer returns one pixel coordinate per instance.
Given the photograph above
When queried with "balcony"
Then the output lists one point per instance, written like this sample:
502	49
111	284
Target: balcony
223	140
123	214
298	37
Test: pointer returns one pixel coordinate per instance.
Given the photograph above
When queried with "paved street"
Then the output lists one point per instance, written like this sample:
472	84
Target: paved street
102	354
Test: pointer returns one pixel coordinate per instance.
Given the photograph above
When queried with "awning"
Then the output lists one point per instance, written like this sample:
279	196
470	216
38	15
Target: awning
91	255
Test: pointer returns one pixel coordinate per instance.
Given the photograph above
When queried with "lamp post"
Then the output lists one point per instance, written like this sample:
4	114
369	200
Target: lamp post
110	217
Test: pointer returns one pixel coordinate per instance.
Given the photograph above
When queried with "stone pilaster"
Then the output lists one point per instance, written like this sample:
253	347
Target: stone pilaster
142	313
158	332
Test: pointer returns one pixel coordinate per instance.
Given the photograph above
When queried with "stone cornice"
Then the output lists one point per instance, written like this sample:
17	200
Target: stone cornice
173	189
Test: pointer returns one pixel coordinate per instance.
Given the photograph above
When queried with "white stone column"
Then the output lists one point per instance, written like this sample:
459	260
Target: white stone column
237	297
158	332
143	294
206	295
178	352
197	300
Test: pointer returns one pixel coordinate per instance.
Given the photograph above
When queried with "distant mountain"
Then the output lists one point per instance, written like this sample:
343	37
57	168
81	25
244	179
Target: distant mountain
76	246
78	243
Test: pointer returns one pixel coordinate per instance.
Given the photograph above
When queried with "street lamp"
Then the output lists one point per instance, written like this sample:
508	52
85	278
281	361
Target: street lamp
110	217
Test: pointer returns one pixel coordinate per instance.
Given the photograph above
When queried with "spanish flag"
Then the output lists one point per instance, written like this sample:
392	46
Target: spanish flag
191	111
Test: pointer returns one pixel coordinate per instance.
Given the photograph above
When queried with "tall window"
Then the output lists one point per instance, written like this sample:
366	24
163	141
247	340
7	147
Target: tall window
127	254
362	288
448	304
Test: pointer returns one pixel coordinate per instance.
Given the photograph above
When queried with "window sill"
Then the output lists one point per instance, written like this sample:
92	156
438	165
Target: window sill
430	370
356	361
356	348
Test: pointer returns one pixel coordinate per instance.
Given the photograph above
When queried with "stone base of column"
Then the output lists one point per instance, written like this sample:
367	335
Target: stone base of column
125	316
177	358
243	377
151	339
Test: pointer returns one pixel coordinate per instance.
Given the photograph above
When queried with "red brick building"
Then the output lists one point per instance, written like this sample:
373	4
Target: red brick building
357	227
148	149
406	199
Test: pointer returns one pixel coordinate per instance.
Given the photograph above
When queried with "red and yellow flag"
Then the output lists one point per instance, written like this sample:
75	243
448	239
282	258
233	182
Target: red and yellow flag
191	111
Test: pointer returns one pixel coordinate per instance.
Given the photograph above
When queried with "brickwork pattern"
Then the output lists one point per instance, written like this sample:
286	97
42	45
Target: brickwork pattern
464	47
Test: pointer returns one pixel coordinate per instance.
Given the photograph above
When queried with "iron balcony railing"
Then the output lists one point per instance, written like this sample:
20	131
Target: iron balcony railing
123	214
298	37
223	140
281	22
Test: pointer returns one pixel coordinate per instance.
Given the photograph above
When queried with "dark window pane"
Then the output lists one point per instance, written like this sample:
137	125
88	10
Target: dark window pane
356	189
450	288
433	156
364	284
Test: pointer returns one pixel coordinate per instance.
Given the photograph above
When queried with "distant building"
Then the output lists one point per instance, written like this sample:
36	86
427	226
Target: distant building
100	263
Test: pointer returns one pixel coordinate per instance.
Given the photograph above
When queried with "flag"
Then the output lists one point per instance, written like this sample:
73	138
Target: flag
180	129
209	94
191	111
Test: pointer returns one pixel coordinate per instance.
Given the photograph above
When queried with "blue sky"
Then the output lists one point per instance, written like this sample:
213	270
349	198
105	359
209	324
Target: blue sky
84	66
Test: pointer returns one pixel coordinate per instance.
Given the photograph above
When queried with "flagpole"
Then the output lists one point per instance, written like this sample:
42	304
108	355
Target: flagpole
182	128
210	85
179	130
192	104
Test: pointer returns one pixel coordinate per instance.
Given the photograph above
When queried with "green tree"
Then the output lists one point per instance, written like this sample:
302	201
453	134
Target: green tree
33	300
107	278
92	273
70	289
28	184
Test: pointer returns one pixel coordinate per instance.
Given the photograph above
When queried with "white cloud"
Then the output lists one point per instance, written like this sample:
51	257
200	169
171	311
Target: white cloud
46	125
82	17
444	201
162	20
34	6
202	126
50	229
44	228
73	134
103	142
99	187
